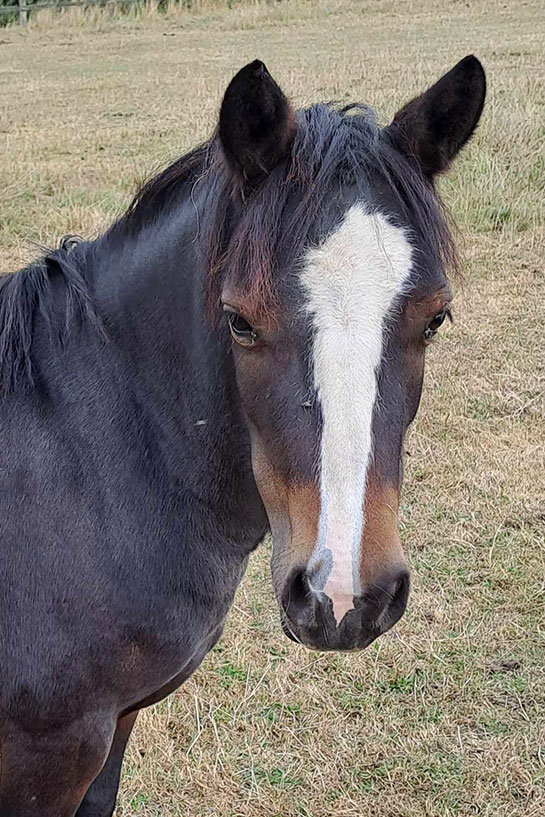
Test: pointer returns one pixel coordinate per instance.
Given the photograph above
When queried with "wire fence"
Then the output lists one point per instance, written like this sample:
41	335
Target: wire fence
22	8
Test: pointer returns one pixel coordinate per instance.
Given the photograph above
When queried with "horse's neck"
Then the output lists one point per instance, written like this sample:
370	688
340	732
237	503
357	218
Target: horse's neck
152	286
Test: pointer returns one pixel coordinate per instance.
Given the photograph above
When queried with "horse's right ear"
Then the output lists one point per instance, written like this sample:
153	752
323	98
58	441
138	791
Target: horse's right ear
257	124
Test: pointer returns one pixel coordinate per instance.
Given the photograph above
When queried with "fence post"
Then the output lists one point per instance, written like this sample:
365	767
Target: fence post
23	12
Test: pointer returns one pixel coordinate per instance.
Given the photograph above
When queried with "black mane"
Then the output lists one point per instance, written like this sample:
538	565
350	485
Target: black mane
28	292
332	144
162	190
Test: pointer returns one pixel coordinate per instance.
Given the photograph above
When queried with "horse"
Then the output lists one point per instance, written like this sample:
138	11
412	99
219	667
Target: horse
241	352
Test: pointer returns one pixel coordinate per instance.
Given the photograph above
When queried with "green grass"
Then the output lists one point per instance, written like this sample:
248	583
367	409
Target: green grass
445	716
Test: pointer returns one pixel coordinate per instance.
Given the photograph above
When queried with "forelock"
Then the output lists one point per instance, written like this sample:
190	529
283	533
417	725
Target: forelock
249	235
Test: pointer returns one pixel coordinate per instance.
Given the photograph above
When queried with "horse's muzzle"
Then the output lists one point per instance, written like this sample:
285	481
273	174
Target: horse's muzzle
308	616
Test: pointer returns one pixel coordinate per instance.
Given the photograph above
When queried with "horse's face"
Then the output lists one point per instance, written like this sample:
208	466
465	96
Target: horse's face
330	366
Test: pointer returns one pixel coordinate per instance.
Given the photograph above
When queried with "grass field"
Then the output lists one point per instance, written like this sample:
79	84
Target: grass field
446	715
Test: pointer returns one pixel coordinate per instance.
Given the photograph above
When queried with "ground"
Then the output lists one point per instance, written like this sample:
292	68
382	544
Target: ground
445	716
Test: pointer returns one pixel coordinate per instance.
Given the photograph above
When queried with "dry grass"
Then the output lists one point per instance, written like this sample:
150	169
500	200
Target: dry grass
430	720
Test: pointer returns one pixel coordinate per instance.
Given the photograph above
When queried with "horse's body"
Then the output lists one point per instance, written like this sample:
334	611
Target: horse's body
128	495
124	549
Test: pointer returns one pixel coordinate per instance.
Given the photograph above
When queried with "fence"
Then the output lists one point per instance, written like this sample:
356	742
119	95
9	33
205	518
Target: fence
22	9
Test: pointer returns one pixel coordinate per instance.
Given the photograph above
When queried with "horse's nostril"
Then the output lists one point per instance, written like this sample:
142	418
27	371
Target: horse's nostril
403	585
295	597
396	594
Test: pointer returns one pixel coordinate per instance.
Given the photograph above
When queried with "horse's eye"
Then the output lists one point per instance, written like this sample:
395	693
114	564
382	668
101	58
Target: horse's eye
241	330
435	323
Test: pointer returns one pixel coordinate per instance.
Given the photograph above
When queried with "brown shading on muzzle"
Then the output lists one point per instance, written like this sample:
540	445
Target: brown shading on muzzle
381	546
293	509
307	616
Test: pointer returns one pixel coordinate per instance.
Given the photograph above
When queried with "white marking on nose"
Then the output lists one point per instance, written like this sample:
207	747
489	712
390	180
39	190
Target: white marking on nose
351	281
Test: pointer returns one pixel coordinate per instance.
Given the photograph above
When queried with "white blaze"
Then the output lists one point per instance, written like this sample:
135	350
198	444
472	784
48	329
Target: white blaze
351	282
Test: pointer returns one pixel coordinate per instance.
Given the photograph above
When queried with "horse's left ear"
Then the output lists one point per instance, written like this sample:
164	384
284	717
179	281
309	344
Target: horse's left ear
435	126
257	124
